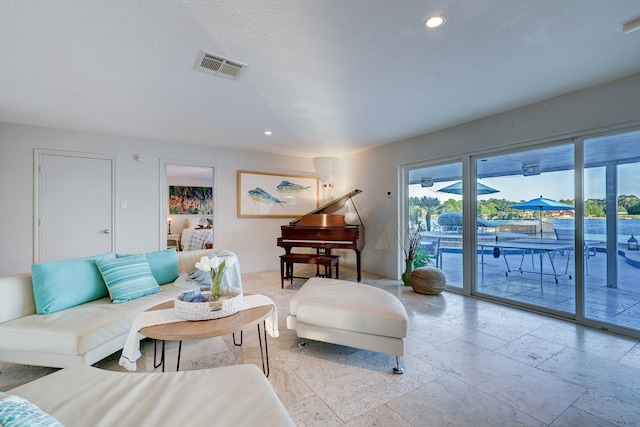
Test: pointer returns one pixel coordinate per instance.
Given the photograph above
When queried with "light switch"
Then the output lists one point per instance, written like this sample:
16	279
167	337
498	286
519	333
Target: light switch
123	204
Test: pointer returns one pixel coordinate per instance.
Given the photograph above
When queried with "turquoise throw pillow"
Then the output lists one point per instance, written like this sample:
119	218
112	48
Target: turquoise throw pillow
62	284
128	278
18	412
163	264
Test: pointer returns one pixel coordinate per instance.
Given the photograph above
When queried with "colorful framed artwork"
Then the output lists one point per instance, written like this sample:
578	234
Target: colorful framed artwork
270	195
185	200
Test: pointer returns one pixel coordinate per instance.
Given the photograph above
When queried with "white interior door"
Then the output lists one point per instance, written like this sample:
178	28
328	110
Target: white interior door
75	211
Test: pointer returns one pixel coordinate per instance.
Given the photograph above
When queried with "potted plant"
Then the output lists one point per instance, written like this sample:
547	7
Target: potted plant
410	247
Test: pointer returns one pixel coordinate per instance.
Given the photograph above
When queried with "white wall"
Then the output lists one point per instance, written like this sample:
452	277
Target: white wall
616	104
252	239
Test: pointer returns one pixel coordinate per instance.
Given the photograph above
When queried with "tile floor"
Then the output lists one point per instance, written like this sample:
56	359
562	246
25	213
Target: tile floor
468	362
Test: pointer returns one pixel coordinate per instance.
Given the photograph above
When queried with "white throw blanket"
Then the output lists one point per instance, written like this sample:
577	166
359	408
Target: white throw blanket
198	240
131	351
197	278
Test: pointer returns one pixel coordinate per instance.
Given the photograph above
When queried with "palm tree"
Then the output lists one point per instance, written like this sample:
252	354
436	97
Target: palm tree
414	211
428	204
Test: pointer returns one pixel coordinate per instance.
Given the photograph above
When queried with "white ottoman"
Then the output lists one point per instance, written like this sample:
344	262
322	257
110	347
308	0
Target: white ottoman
350	314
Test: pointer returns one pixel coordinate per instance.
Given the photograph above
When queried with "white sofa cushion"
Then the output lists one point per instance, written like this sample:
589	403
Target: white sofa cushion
16	297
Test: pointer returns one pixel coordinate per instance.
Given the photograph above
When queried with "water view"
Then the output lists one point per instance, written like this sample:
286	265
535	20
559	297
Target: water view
597	227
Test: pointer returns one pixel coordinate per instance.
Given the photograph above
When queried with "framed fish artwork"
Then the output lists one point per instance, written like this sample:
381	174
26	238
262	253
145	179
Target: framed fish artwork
270	195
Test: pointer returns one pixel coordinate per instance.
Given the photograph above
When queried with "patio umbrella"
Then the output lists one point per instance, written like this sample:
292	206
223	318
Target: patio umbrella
456	188
541	204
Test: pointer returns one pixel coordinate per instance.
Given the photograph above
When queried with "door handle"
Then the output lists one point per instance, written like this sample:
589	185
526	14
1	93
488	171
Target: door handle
107	231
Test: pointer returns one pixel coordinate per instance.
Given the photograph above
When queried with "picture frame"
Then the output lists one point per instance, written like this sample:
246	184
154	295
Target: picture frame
190	200
272	195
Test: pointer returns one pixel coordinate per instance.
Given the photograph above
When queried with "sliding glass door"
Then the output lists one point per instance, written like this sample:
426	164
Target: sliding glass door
523	200
555	227
435	210
611	230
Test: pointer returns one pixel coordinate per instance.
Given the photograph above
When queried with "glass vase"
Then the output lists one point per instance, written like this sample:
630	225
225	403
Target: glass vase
226	298
216	281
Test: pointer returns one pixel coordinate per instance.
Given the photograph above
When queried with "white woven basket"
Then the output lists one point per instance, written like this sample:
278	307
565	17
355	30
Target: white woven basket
225	306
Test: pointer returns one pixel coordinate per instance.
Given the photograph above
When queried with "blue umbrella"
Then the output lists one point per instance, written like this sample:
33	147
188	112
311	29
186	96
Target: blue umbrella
456	188
542	204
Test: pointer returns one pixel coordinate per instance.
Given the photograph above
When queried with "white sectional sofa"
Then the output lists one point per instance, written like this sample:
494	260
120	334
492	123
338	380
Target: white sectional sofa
80	335
83	334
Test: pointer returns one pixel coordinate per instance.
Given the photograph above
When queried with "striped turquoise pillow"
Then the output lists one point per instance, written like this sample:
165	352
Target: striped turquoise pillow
127	278
163	264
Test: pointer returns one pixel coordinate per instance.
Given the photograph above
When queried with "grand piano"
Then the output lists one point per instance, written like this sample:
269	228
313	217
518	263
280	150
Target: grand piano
323	230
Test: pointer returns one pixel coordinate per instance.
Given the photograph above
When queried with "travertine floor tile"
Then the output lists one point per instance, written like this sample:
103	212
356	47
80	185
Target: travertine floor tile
451	402
530	350
381	416
597	373
607	408
574	417
313	412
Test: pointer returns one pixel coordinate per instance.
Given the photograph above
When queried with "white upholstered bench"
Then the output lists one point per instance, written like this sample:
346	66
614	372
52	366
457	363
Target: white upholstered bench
350	314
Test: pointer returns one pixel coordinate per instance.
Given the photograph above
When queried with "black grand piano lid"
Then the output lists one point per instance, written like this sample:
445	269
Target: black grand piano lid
332	206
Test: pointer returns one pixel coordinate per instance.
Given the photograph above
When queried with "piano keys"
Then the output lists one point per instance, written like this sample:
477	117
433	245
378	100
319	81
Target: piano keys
324	231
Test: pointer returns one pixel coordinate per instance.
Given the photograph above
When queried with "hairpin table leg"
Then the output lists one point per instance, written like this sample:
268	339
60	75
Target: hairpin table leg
266	348
157	364
234	339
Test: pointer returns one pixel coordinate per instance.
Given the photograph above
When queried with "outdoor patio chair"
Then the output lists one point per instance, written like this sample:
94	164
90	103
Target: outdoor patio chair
568	234
431	246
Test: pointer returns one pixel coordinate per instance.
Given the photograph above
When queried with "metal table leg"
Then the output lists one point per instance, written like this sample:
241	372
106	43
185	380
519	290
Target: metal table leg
156	364
234	339
264	354
155	352
266	348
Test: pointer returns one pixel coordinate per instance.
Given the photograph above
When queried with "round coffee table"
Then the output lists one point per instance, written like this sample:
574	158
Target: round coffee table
194	330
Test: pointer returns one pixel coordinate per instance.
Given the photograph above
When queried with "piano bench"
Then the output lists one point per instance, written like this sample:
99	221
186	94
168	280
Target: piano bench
287	261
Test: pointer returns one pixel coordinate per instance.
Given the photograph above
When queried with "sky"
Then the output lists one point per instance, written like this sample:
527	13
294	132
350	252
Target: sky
553	185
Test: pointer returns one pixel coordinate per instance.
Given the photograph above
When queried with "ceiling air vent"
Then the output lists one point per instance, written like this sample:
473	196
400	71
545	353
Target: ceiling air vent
217	65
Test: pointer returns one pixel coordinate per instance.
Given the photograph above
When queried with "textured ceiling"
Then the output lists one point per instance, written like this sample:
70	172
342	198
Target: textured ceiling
326	77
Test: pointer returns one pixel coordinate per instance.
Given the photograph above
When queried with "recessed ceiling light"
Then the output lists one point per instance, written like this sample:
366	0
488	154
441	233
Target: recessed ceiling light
267	132
435	21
